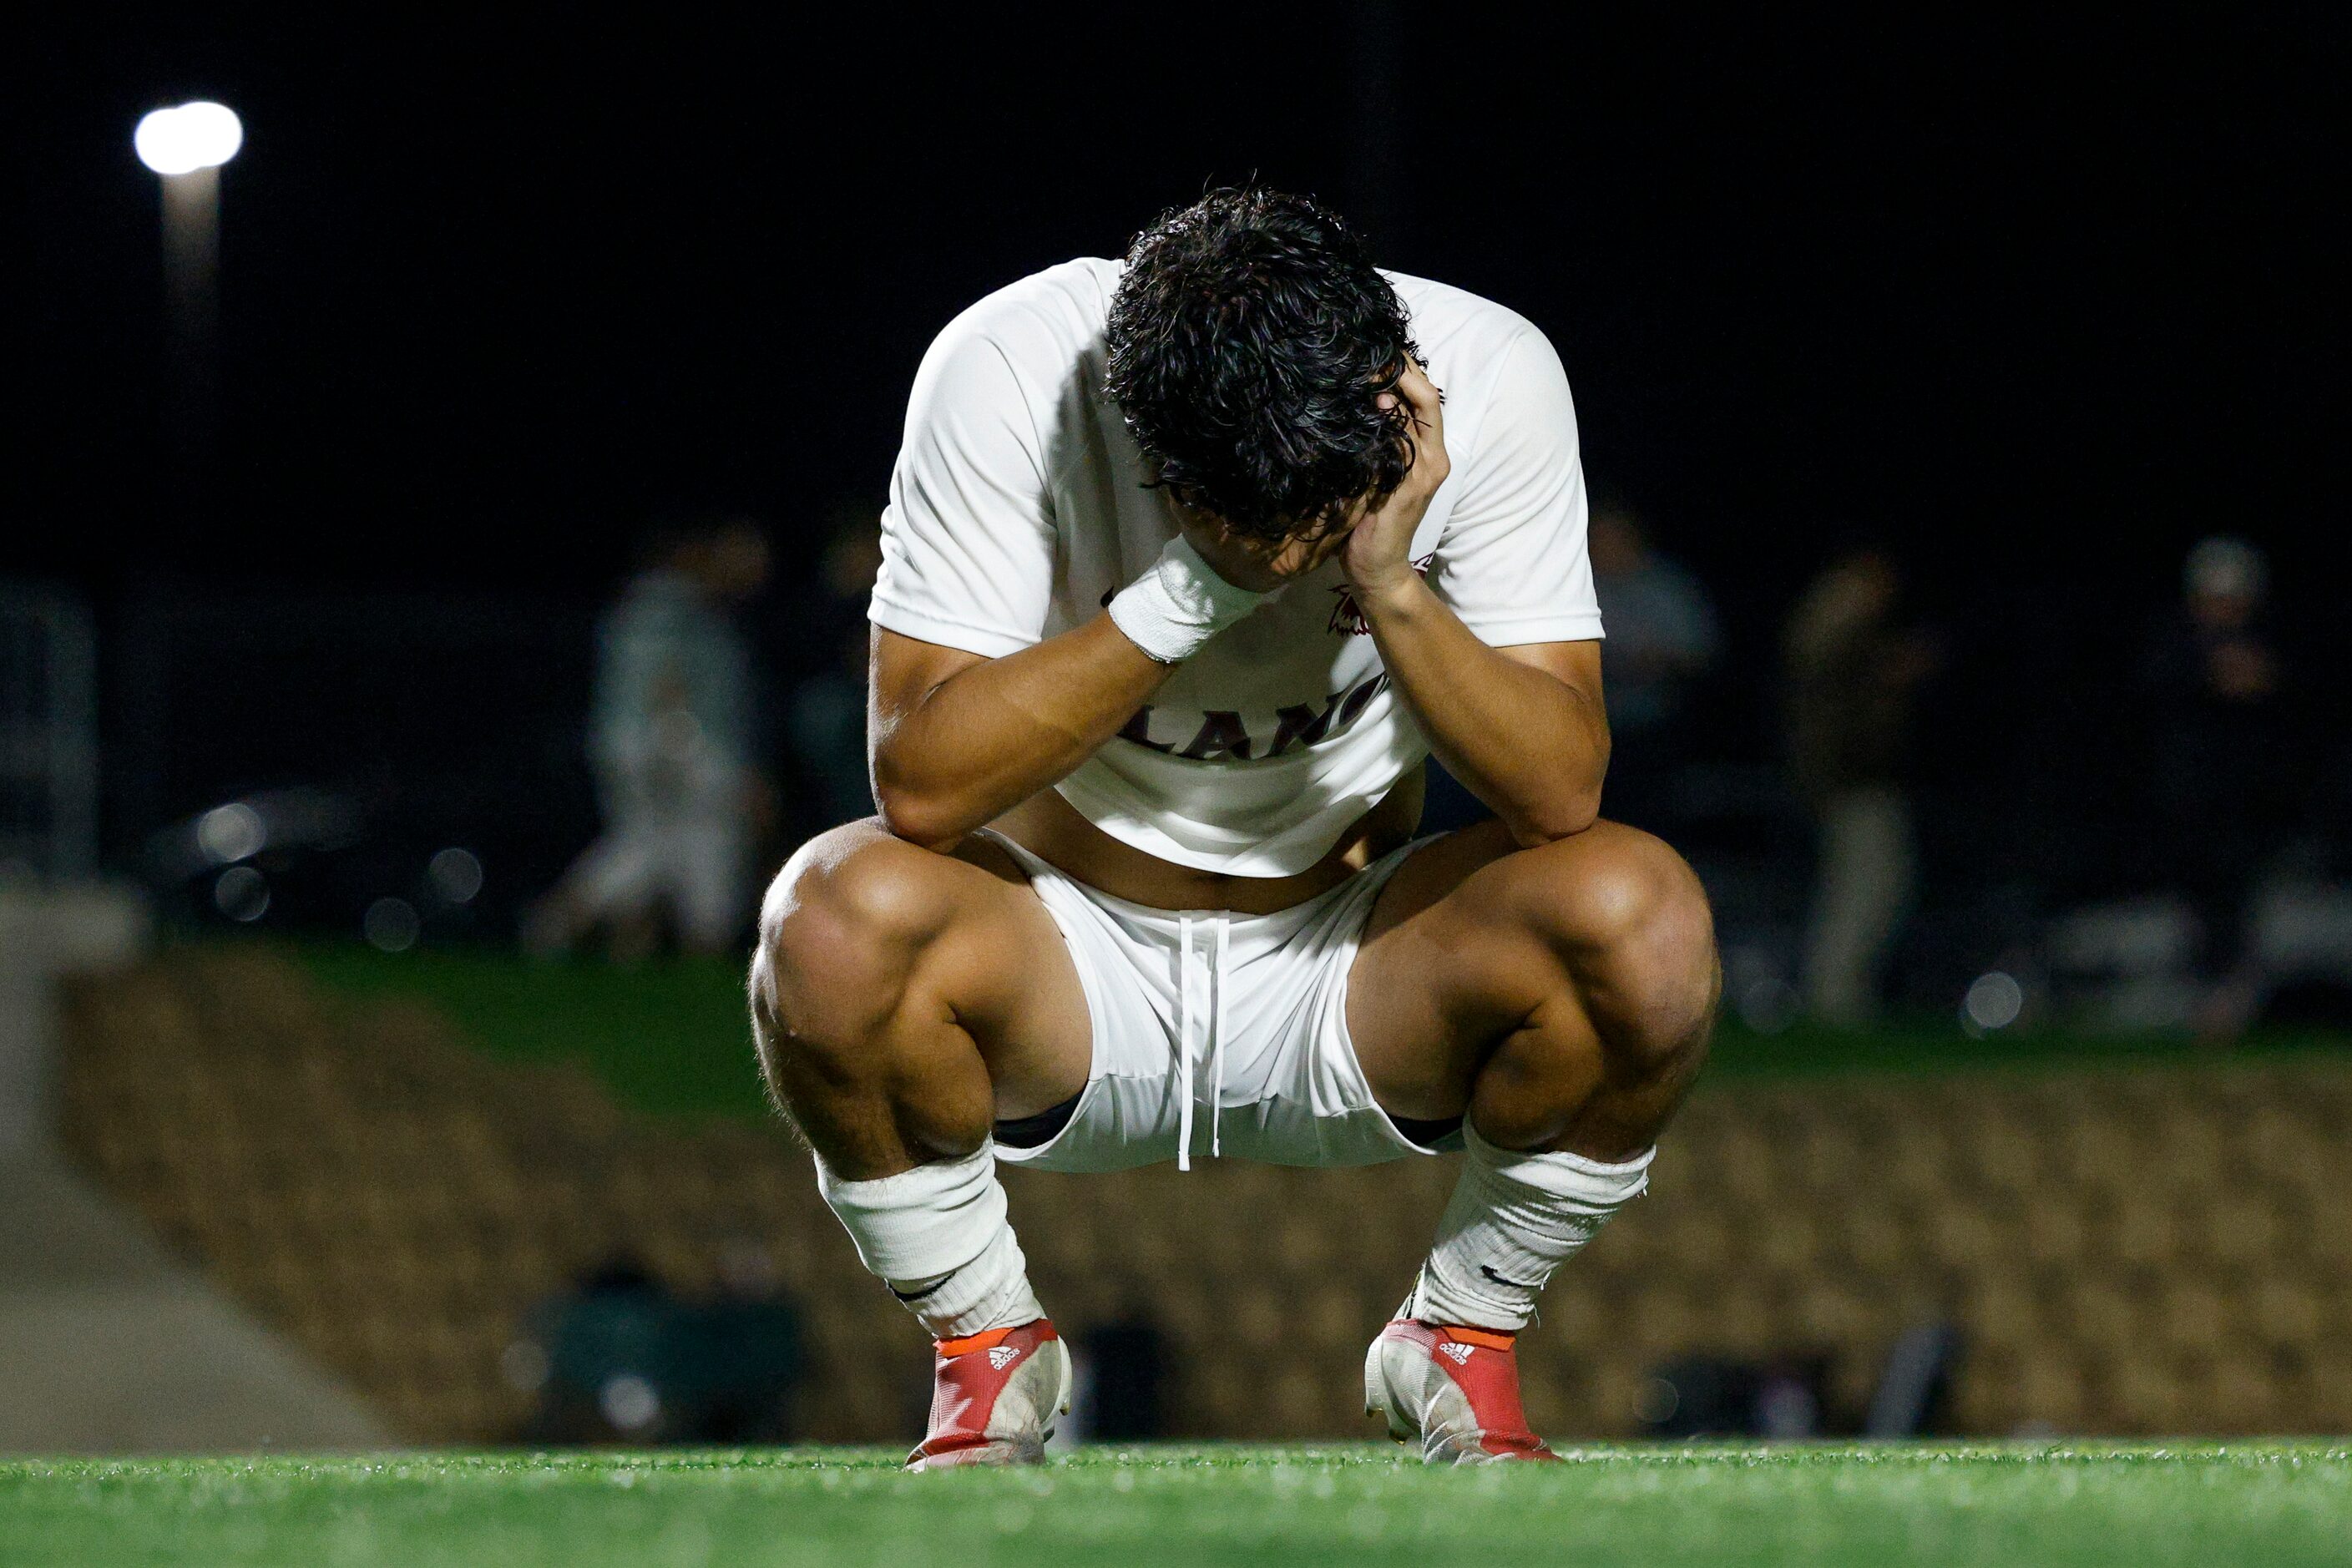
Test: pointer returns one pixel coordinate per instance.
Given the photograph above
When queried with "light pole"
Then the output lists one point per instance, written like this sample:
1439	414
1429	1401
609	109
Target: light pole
187	146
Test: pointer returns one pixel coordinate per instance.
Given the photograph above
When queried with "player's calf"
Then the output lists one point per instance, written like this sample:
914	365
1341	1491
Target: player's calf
855	1027
1601	948
1614	982
1566	1111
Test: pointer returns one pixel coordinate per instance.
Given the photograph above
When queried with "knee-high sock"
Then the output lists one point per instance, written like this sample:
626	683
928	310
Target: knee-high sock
938	1237
1513	1219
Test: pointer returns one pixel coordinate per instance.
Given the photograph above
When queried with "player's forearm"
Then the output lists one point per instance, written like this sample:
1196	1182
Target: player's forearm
993	734
1530	745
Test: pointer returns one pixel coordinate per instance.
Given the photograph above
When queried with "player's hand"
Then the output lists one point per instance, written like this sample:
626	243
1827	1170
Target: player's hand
1378	545
1376	542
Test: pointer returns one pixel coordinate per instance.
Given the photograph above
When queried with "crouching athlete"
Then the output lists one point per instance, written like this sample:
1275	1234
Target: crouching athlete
1188	567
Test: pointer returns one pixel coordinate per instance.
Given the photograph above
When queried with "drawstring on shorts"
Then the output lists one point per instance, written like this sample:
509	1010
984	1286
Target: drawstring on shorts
1216	1044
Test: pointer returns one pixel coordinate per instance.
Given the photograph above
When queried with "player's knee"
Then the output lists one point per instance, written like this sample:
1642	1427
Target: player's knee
1621	905
842	931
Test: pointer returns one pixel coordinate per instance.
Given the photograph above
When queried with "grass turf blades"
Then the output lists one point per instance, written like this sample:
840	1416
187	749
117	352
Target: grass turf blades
2046	1505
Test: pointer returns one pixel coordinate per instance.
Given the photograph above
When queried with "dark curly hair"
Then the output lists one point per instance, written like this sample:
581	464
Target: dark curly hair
1249	338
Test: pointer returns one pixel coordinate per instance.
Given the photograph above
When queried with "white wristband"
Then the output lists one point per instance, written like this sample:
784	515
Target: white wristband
1178	605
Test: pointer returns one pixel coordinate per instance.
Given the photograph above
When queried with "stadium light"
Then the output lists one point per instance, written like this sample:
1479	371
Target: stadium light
199	135
187	146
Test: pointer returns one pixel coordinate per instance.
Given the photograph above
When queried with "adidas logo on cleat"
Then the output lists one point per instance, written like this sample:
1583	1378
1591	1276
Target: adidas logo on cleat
1459	1354
1003	1356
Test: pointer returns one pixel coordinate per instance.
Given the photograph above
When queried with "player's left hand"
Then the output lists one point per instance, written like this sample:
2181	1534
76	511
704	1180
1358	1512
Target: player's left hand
1379	551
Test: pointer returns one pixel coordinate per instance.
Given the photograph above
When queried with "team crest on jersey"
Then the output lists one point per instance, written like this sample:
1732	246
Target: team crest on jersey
1348	616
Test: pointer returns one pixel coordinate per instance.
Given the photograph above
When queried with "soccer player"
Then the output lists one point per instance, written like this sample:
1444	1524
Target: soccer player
1188	566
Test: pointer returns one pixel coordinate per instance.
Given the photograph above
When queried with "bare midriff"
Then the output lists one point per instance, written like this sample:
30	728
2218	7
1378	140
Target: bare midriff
1055	832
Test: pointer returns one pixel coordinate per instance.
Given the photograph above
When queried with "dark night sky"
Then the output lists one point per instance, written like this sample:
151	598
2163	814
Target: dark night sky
2013	294
2040	303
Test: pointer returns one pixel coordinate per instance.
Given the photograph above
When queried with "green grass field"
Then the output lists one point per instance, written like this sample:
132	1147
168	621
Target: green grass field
2018	1506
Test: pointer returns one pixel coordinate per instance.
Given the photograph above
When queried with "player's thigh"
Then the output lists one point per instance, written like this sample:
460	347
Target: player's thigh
1029	1015
1442	971
935	947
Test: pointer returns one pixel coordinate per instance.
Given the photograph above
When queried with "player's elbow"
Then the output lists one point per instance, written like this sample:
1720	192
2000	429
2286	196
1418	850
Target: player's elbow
1567	808
919	819
920	814
1564	816
1571	800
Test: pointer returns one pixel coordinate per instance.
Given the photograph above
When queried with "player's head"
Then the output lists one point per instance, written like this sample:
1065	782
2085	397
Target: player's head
1250	340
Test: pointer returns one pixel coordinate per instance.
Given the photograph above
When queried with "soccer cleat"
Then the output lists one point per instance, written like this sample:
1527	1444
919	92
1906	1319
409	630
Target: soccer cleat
1455	1390
994	1396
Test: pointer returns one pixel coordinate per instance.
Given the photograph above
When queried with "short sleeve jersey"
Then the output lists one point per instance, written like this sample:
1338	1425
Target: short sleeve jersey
1020	504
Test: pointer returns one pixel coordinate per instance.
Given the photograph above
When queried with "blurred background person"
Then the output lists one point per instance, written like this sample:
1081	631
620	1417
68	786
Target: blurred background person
2222	771
620	1356
673	744
827	717
1852	672
1663	637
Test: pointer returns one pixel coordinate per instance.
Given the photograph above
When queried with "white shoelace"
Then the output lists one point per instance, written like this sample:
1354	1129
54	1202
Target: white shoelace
1184	1038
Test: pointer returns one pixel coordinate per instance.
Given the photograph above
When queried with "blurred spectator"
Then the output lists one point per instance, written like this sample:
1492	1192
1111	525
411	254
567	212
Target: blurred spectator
751	1330
1127	1361
2222	772
671	740
1853	674
1663	634
620	1358
828	706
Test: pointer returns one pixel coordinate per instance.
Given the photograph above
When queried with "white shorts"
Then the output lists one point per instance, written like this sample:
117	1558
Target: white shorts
1216	1033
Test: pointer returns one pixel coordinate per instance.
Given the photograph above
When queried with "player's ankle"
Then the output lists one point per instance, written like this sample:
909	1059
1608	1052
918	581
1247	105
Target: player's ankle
1472	1334
989	1339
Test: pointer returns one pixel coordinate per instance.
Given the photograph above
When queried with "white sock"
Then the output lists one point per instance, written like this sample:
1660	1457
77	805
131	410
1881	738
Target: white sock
1513	1219
938	1237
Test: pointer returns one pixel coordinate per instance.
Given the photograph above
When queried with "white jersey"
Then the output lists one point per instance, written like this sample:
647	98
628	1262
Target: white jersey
1020	505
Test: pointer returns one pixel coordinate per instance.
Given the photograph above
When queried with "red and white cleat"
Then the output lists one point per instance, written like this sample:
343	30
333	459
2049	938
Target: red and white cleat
994	1396
1454	1391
